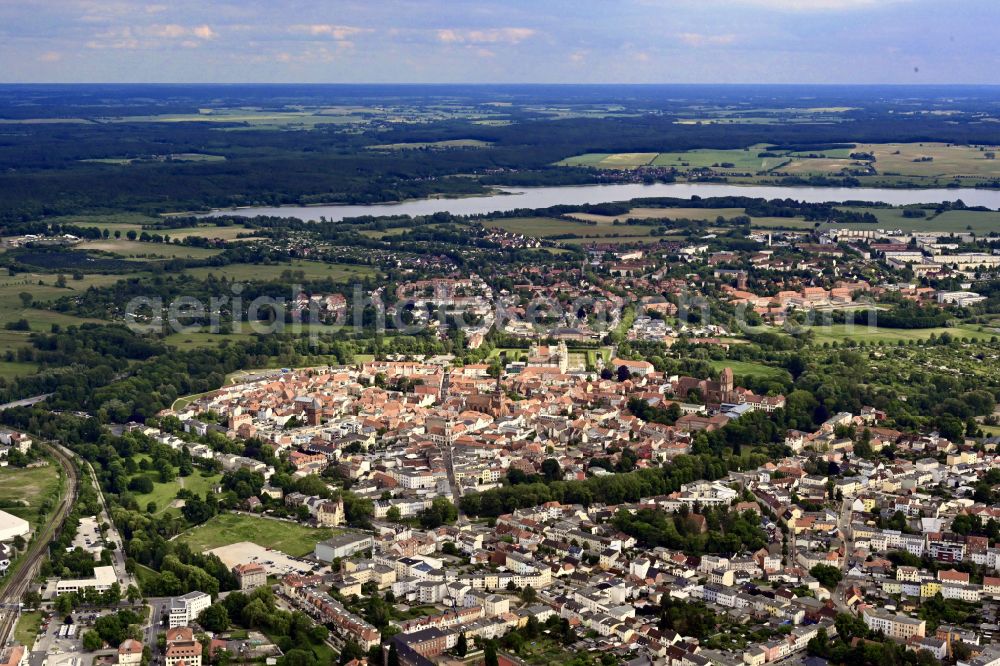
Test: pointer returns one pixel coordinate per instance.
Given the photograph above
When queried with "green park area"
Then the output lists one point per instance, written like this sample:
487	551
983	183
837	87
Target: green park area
24	491
288	537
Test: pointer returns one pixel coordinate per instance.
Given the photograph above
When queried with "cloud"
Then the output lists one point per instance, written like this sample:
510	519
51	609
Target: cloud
204	32
118	38
698	39
170	31
152	36
50	56
487	36
808	5
336	32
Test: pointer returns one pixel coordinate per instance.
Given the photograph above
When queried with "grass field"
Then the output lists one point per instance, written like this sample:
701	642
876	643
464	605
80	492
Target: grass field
30	486
12	369
127	248
893	335
43	290
311	270
27	628
165	493
751	369
228	528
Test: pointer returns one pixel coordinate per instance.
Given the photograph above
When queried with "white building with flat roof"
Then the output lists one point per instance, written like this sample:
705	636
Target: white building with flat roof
11	526
185	609
104	578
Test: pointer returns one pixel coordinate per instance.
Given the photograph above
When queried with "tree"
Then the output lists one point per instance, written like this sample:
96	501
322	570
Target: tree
214	618
551	469
133	594
393	658
528	595
623	373
26	298
393	514
490	654
828	576
92	641
462	647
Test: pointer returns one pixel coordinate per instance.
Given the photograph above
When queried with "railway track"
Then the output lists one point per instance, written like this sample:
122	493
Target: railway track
17	584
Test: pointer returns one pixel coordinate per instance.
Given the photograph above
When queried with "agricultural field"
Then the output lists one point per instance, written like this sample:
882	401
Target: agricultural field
661	214
288	537
122	221
311	270
212	232
945	161
24	490
137	249
741	160
174	157
248	117
433	145
42	290
611	160
544	227
952	221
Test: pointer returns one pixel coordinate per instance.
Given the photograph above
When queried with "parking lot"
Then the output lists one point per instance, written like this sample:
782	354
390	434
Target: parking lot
88	536
275	562
69	651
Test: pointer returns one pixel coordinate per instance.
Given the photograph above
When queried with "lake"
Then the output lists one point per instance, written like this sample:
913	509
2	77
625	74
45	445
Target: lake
512	198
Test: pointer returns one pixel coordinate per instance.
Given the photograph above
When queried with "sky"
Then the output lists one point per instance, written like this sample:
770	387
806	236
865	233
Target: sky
509	41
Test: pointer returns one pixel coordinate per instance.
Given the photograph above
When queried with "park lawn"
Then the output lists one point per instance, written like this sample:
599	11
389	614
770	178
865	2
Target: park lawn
199	340
165	493
893	335
309	270
138	249
543	651
229	528
751	369
28	626
33	486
